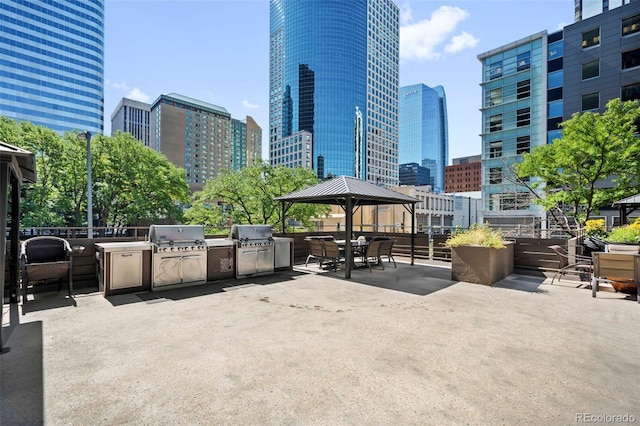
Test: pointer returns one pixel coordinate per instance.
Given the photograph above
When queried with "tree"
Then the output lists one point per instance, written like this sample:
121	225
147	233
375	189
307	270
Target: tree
593	148
131	182
247	196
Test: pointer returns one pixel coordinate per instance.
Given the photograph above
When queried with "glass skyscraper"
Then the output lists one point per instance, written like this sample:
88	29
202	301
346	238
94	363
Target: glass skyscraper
424	134
334	73
52	63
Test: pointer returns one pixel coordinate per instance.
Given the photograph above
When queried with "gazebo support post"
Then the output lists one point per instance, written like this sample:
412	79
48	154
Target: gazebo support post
348	254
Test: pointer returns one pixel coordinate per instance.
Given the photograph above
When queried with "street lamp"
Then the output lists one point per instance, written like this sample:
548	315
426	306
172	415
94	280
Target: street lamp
86	135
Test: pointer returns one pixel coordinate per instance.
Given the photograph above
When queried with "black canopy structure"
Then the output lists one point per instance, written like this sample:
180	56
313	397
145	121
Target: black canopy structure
16	166
349	193
627	206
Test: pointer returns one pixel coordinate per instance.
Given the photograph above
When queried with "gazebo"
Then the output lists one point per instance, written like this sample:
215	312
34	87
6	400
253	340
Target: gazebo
16	166
627	206
350	193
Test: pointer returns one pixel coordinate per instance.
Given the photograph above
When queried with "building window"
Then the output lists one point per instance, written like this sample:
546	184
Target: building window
591	69
524	89
523	117
630	92
590	101
631	25
523	144
495	123
495	70
495	175
591	38
495	97
631	59
495	149
524	61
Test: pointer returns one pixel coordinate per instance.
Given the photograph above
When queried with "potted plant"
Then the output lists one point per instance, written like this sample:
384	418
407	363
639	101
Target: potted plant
624	240
480	255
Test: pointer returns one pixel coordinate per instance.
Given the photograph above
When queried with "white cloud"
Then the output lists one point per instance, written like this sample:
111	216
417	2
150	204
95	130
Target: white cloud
248	104
423	40
132	93
461	42
138	95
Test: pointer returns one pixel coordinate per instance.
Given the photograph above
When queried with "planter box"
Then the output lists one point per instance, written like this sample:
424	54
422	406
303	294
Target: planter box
481	265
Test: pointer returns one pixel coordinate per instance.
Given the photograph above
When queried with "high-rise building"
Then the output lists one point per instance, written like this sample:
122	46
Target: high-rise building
514	111
531	85
132	116
585	9
334	73
246	143
293	151
202	138
424	130
52	63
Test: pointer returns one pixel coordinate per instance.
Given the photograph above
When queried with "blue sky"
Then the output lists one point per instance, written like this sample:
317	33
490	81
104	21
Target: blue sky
217	51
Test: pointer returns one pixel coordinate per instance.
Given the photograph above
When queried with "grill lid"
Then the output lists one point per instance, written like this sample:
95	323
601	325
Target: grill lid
176	234
250	232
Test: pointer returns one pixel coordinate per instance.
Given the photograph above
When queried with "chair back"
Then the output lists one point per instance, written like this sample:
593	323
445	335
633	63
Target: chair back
45	249
561	253
373	249
331	249
315	247
614	265
386	247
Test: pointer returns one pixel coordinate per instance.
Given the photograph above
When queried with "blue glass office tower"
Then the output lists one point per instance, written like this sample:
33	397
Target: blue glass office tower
52	63
334	73
424	135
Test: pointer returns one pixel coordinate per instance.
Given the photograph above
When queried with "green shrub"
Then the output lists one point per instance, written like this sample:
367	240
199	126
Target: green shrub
477	235
624	234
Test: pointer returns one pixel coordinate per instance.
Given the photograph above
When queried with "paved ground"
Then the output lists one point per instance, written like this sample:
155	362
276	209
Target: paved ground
400	346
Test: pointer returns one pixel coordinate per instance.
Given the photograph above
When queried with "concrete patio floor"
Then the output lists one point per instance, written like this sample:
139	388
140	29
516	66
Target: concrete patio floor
399	346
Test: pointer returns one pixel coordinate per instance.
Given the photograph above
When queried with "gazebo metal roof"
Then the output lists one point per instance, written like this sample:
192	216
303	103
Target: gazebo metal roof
349	192
627	206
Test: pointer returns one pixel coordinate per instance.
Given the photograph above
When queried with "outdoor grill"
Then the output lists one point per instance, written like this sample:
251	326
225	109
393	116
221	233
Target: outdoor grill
179	255
254	249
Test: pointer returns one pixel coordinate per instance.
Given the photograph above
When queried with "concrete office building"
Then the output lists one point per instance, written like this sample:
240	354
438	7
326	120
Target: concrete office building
132	117
334	73
52	64
293	151
424	130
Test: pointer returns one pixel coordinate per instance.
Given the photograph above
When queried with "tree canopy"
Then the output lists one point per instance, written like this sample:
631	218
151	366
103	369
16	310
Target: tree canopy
130	182
595	162
247	197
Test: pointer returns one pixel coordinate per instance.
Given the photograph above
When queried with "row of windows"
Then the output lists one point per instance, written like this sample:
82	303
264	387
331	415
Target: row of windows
42	94
51	106
523	144
629	26
76	70
523	118
49	116
48	75
523	62
521	90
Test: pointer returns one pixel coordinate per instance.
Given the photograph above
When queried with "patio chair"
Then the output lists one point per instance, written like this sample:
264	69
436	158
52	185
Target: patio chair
45	259
315	251
609	267
576	264
386	249
332	254
373	254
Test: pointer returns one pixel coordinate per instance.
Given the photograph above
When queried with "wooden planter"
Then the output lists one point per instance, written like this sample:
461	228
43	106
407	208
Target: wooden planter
481	265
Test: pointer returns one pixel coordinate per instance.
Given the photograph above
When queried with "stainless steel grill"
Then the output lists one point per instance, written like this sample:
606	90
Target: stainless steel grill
254	249
180	255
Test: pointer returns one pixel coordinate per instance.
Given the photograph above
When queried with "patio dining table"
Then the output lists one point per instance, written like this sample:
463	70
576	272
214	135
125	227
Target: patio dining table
358	248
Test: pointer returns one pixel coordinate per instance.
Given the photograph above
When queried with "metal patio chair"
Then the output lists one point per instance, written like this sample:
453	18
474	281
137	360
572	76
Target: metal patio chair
45	259
575	264
386	249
